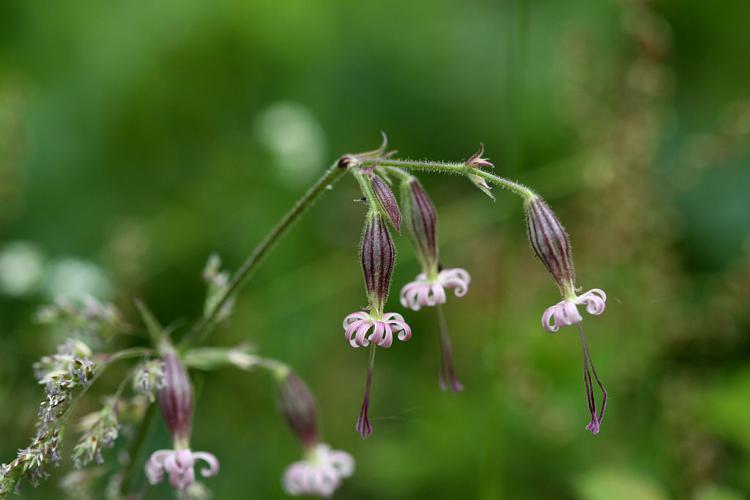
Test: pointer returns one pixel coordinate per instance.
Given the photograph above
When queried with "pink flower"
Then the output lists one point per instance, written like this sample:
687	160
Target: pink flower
320	473
565	312
361	328
430	292
179	465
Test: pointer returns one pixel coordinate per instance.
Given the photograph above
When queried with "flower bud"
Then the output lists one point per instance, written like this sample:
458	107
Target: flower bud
377	255
550	243
297	405
420	219
386	201
176	397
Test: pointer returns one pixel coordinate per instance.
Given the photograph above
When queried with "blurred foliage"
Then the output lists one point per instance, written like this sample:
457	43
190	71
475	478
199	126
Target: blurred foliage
137	138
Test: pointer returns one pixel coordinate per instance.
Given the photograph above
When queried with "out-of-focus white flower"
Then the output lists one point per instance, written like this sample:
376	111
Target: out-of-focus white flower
21	268
320	473
75	279
295	139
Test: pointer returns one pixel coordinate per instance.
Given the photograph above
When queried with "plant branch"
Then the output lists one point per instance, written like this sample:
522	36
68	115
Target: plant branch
456	169
203	327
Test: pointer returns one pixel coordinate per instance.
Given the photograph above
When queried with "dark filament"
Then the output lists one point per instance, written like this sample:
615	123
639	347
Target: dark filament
588	370
447	373
363	422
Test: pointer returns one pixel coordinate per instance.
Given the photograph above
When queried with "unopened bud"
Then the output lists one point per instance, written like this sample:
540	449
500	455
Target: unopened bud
377	255
420	219
386	201
176	397
297	404
550	243
477	161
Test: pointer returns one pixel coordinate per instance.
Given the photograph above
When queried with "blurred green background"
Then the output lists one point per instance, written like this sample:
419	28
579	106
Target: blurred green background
138	137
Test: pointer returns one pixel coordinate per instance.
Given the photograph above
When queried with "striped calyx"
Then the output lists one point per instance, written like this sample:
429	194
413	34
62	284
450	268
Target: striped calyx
297	405
420	219
176	398
377	255
386	201
551	244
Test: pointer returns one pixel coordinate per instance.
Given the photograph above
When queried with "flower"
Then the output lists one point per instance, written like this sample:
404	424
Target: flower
176	405
550	242
297	405
358	324
565	312
424	291
429	287
356	328
320	473
179	465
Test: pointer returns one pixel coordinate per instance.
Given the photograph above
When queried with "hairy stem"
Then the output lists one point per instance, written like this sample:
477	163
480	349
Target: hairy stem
203	327
456	169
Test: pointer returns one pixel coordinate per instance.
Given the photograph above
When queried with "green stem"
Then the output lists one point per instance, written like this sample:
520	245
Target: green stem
400	173
203	327
456	169
144	427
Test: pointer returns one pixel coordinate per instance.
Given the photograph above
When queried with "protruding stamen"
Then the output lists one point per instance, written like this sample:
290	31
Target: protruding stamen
447	376
363	421
588	369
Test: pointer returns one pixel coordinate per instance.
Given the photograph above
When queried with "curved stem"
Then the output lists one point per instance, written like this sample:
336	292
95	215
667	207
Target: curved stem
203	327
457	169
447	376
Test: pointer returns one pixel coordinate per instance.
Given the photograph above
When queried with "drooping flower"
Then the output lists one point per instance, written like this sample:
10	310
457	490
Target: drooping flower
565	312
428	289
176	405
322	470
179	465
320	473
551	244
428	292
374	327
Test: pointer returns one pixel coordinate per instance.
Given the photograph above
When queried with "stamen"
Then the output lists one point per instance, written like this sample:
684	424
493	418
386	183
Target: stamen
588	370
363	422
447	372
